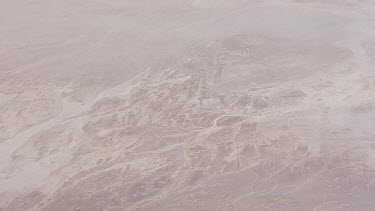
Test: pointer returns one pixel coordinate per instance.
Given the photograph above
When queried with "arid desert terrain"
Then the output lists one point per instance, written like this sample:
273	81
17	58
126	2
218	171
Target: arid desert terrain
187	105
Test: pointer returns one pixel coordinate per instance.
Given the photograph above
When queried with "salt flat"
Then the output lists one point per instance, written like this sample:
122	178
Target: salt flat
260	105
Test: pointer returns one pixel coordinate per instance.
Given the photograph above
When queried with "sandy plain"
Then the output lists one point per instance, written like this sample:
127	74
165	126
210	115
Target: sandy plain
259	105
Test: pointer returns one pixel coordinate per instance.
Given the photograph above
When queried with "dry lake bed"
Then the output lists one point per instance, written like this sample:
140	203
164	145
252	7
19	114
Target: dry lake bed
187	105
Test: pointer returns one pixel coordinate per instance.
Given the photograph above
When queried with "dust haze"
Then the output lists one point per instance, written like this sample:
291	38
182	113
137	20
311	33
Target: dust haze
169	105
